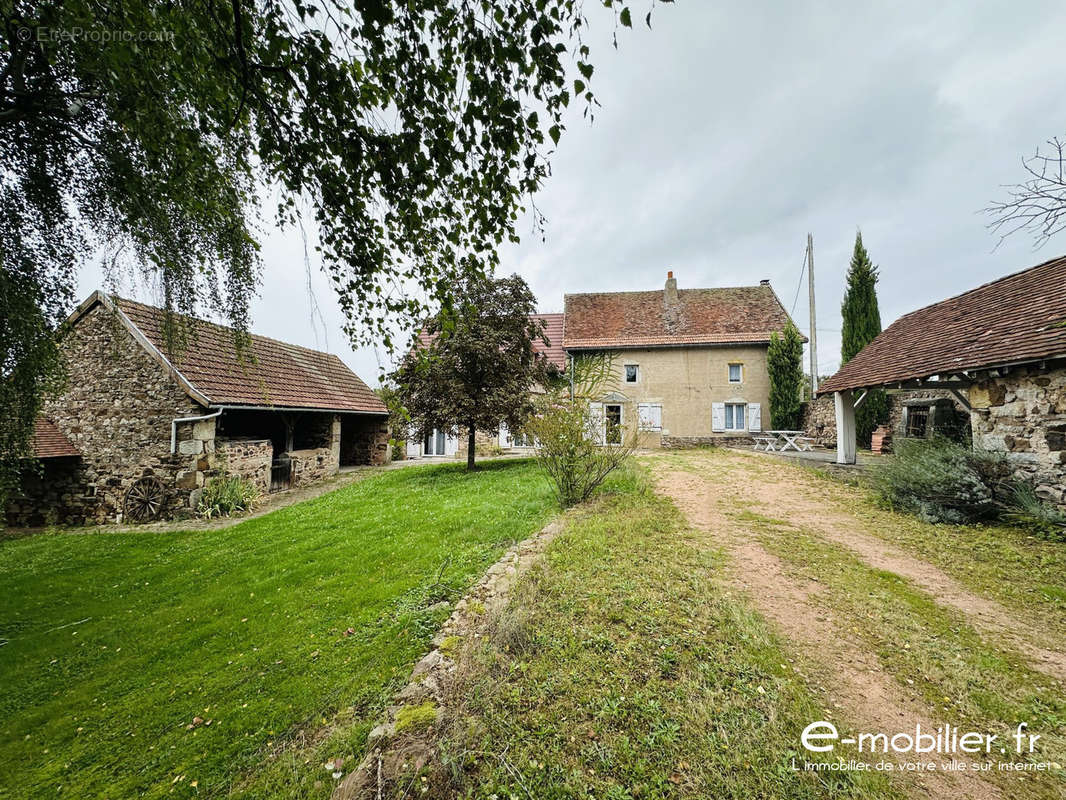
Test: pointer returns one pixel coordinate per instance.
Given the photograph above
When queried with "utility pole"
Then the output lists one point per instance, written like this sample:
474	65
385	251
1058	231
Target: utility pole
814	322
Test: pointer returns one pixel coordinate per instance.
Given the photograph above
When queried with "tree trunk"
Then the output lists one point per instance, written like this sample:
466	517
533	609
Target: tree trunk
470	447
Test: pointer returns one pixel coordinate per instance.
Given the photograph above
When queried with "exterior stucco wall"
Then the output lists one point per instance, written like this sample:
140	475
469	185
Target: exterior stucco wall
116	410
1023	414
686	381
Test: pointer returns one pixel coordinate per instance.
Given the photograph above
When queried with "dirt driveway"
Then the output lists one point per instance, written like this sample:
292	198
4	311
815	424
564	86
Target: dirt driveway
889	640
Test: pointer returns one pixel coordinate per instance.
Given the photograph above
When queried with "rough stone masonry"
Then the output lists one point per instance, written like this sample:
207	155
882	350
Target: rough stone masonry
1023	414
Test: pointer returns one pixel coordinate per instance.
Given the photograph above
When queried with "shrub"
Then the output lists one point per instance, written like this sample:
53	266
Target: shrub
567	449
227	494
942	481
1024	508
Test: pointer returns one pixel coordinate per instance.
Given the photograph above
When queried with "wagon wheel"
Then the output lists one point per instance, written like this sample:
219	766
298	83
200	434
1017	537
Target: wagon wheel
145	500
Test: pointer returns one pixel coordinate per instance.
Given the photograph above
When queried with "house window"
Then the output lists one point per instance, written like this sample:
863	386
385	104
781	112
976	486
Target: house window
614	424
917	421
522	440
631	373
736	373
734	416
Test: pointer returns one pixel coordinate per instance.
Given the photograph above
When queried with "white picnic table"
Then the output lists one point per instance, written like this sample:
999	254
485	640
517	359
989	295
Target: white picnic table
779	441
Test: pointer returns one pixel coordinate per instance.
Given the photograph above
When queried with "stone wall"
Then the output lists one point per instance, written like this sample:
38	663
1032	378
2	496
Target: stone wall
685	442
117	409
820	421
249	458
1024	415
819	416
485	445
57	492
364	440
312	465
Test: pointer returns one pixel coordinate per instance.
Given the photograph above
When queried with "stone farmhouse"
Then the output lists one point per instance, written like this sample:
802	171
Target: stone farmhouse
139	430
999	351
687	366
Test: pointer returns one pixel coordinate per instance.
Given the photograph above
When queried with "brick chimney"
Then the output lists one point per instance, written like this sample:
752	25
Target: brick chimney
670	292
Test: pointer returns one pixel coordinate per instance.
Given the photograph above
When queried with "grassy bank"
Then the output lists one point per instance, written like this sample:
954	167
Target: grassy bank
267	633
623	668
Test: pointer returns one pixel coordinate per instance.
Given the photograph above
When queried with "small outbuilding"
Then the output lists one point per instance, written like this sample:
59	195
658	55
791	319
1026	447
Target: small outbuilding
141	427
999	350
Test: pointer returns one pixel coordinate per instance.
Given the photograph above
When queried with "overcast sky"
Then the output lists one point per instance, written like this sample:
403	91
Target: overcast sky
727	133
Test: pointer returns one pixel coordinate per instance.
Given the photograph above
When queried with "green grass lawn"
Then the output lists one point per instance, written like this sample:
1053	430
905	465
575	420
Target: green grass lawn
115	642
624	667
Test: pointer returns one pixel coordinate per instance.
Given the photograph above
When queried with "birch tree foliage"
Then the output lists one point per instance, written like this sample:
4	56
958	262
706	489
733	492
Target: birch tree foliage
411	136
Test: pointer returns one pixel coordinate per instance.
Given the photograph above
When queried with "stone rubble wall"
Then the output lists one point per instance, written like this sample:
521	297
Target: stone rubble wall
819	415
116	410
53	494
313	465
364	440
687	442
1023	414
395	755
249	458
820	421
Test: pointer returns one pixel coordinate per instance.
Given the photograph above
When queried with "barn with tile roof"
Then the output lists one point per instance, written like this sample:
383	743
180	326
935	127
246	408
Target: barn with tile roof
148	418
1000	349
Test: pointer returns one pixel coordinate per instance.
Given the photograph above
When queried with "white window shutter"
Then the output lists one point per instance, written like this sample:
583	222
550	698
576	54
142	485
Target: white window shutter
650	416
754	416
717	417
505	436
597	422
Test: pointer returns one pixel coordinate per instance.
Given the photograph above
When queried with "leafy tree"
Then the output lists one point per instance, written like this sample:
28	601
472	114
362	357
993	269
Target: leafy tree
568	431
784	360
479	366
408	132
861	324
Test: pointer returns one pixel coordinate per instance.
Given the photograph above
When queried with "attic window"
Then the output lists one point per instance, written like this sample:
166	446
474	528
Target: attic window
736	373
631	373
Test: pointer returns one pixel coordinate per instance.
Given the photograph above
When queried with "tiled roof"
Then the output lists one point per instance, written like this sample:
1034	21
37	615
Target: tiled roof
746	314
49	442
1018	318
272	373
554	333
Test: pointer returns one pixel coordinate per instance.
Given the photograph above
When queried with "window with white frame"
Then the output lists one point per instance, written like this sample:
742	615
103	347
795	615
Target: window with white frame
736	373
631	373
650	416
734	416
521	439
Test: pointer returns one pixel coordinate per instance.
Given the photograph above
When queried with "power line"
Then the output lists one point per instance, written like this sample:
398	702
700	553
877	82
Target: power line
799	285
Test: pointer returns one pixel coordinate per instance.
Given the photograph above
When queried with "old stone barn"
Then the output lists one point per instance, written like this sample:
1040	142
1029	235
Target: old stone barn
998	351
140	429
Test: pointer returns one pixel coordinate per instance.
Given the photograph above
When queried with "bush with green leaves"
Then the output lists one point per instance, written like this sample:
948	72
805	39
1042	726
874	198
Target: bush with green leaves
225	495
943	481
567	439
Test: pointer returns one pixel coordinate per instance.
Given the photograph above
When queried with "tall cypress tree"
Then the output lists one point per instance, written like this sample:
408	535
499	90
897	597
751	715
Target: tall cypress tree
862	322
784	361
